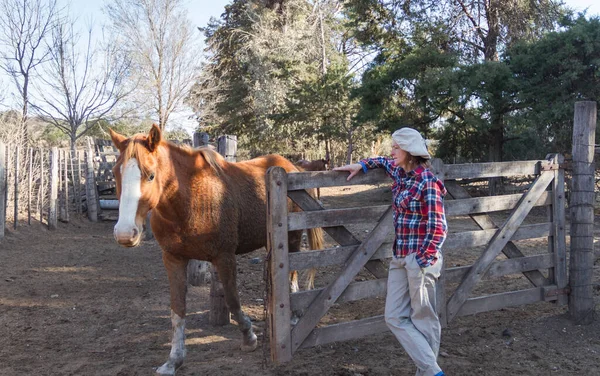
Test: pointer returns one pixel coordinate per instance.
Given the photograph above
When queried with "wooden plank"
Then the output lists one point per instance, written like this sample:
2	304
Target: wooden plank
504	300
327	297
454	241
439	169
488	204
3	190
52	211
485	222
315	179
334	256
73	179
79	190
559	230
66	185
279	313
16	190
492	169
498	242
478	238
346	331
42	188
504	267
339	233
355	291
29	184
335	217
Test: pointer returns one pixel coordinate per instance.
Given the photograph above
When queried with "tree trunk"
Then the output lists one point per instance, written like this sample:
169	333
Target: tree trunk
350	147
495	150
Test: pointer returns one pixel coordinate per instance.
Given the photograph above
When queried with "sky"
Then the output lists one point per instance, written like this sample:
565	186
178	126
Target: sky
200	12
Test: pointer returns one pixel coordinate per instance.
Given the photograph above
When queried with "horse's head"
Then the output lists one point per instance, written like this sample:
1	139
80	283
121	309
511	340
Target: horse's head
136	176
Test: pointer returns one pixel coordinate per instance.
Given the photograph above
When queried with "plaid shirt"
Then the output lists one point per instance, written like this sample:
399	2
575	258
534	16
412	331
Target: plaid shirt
418	202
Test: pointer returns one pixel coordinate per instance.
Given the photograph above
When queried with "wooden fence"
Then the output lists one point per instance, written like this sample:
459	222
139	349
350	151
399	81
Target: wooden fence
547	190
41	184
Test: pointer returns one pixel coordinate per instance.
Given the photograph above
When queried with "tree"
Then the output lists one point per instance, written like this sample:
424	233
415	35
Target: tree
24	25
159	39
80	87
476	32
553	73
278	71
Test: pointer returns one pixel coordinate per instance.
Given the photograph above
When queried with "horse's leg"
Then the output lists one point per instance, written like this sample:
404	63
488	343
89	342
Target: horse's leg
294	242
226	266
177	273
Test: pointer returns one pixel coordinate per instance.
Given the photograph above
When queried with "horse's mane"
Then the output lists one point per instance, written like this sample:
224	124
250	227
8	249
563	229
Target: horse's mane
212	157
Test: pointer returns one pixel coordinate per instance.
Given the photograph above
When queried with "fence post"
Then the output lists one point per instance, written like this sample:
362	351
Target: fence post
90	185
227	147
78	180
2	188
42	190
62	216
200	139
66	186
29	185
278	290
581	206
52	212
16	198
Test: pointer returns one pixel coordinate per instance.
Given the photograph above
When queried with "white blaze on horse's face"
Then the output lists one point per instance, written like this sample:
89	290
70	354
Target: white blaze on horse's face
128	231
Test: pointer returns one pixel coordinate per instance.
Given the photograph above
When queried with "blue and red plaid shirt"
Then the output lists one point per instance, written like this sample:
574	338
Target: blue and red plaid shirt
419	217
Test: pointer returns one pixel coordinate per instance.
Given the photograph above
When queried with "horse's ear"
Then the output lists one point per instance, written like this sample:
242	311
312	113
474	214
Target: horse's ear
154	137
119	140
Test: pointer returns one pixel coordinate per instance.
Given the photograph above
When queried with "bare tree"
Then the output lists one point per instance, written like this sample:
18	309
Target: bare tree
81	84
24	24
161	41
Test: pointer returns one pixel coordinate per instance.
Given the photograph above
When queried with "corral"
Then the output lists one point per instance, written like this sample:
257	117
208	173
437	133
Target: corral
75	303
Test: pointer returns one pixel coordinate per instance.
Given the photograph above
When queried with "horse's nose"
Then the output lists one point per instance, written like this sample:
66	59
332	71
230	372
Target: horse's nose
128	238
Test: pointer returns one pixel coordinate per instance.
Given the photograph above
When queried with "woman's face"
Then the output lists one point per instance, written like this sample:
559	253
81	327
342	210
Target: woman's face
400	157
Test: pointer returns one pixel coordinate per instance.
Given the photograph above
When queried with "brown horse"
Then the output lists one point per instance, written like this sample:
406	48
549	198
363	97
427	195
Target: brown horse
204	208
316	165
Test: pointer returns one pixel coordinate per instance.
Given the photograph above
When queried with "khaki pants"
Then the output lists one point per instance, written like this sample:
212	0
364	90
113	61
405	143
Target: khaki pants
410	311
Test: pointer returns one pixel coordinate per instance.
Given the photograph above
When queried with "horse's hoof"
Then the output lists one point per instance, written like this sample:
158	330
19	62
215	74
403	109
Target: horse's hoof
168	369
250	345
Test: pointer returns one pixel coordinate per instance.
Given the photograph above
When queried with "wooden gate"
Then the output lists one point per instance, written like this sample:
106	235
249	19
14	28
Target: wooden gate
546	190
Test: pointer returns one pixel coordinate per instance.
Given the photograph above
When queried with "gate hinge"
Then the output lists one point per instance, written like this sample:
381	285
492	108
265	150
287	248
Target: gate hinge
550	292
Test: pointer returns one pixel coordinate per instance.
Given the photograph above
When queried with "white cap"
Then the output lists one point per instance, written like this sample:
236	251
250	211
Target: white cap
411	141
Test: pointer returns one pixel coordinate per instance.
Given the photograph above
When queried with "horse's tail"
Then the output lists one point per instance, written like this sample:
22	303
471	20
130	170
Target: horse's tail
315	241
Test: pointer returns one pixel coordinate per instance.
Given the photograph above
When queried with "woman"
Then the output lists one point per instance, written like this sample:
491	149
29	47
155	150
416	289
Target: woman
420	225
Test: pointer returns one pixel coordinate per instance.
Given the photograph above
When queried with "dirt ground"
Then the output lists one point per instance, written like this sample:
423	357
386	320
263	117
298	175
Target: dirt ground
73	302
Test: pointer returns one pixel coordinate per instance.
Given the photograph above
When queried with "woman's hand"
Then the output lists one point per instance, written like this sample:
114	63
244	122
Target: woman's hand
352	168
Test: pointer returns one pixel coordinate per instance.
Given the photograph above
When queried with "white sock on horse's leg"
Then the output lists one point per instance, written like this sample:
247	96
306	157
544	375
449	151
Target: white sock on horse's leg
177	354
249	339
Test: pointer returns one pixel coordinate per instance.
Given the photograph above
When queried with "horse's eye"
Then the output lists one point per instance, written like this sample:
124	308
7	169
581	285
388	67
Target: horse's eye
151	177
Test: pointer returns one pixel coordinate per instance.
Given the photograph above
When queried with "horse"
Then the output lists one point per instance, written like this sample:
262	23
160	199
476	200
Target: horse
316	165
203	208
